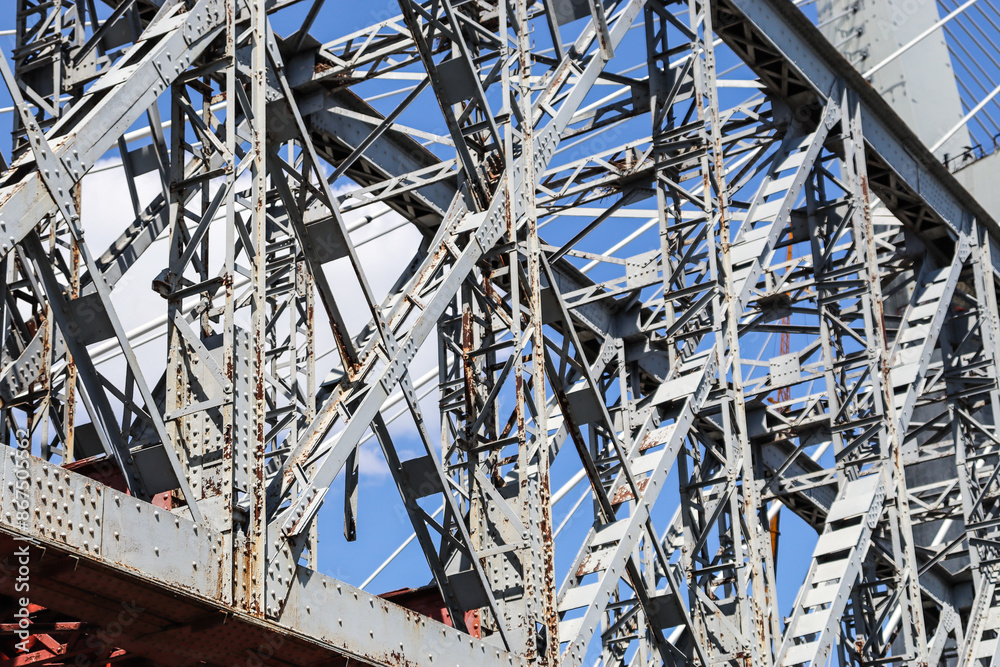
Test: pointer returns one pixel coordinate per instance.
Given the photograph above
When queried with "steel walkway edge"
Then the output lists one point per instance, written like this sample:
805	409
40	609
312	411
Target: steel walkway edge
158	585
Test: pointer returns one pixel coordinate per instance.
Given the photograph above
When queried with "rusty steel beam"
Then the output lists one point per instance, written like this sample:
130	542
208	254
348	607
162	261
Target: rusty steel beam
100	554
685	238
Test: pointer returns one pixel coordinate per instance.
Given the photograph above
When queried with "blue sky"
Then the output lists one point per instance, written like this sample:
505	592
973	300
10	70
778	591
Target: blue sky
382	523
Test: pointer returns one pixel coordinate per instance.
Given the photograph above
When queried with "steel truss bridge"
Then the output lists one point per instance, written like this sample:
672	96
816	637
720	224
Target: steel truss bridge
623	207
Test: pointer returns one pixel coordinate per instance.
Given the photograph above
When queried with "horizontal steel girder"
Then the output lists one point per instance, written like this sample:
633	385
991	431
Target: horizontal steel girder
96	551
795	61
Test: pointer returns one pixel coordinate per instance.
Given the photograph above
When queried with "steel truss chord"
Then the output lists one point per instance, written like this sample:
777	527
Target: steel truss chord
836	600
969	344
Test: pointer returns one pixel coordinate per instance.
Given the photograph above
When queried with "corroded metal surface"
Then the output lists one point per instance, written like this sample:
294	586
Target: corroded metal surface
619	208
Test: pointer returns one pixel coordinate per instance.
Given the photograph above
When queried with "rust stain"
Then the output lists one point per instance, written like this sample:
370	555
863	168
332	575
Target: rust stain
648	442
624	494
469	370
586	566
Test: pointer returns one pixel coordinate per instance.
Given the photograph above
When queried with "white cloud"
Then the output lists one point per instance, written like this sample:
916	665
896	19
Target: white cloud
107	212
371	463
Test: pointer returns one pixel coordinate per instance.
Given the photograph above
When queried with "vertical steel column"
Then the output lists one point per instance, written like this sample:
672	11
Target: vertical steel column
719	488
538	560
872	502
255	551
43	34
971	355
898	519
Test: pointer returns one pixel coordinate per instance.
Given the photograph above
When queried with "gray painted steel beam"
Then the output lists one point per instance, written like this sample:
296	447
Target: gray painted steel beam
809	63
648	347
99	527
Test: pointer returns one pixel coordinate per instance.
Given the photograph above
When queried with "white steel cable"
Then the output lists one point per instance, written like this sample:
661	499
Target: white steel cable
919	38
965	119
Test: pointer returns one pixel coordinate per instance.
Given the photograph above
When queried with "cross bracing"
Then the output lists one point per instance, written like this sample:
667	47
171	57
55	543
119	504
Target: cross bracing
619	209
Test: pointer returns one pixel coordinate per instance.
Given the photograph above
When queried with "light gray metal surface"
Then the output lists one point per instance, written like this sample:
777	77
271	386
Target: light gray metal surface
98	525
